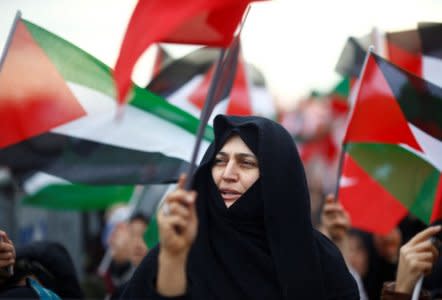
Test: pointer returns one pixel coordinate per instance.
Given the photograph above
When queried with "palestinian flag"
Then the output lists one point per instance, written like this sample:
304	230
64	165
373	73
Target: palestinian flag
60	135
431	43
211	23
352	57
419	51
393	147
185	81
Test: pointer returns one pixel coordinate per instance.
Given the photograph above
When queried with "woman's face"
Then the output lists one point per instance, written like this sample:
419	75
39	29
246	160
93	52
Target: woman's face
234	170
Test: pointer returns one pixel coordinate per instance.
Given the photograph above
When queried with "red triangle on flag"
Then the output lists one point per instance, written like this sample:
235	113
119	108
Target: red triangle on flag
411	62
437	208
239	103
34	97
370	206
377	117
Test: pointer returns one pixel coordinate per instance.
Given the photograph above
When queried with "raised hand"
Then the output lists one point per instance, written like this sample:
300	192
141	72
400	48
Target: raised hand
177	222
334	219
7	251
416	258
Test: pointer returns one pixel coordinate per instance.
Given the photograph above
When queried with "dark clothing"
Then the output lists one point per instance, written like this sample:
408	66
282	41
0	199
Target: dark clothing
388	293
32	290
19	292
51	263
263	246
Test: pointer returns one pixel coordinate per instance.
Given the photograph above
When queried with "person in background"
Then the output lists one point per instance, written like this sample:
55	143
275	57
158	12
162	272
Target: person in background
335	224
417	257
42	270
132	251
7	258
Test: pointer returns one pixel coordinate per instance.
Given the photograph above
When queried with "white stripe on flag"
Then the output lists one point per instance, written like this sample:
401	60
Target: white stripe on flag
431	146
137	130
432	69
40	180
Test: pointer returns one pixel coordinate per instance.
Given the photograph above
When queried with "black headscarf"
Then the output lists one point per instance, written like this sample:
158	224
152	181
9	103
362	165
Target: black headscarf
263	246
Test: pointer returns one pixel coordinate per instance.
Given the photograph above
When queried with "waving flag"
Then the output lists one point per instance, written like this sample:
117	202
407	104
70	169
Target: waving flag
393	149
201	22
418	51
57	114
184	83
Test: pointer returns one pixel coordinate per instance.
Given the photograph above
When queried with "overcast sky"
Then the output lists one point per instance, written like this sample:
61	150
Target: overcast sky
296	44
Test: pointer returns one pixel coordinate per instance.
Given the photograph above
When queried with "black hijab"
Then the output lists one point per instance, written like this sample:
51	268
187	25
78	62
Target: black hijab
263	246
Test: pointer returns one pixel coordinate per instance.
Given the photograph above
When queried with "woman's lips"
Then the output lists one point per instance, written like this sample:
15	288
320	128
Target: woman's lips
230	195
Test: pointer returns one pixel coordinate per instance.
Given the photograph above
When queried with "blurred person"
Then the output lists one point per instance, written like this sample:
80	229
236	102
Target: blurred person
138	224
336	225
7	257
248	235
417	257
42	270
135	250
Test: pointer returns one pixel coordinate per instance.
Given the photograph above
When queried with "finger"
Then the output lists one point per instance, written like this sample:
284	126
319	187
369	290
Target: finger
425	234
173	222
5	247
422	257
332	208
424	246
181	196
330	198
181	181
179	209
191	200
6	255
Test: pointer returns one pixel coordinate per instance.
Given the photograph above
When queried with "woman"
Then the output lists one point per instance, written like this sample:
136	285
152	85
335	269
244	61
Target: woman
254	235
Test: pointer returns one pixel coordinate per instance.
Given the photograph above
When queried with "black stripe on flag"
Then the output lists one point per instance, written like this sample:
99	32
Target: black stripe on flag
83	161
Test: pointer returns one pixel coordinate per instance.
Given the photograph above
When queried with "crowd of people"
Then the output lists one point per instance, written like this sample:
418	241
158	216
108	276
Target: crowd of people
243	231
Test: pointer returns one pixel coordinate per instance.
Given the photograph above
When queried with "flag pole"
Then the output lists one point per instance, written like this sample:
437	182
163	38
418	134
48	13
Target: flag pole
352	99
417	288
9	39
209	104
204	118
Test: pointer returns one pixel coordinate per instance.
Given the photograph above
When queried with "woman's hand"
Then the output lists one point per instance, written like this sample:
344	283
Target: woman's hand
177	222
335	220
7	251
416	258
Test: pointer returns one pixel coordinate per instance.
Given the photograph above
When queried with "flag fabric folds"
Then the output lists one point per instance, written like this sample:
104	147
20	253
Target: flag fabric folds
59	133
185	81
201	22
393	143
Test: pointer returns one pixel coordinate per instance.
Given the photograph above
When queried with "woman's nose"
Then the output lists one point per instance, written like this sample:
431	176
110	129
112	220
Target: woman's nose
230	172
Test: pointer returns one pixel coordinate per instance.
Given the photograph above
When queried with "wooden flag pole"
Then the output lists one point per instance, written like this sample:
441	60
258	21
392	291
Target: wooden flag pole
352	100
9	39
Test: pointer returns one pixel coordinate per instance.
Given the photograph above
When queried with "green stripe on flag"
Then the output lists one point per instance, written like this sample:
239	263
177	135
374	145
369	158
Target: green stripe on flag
79	197
409	178
151	236
343	88
75	65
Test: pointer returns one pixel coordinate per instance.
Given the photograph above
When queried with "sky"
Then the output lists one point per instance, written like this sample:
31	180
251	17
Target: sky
296	44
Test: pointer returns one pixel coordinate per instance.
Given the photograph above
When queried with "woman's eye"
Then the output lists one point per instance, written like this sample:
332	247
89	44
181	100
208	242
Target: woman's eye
218	161
249	163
